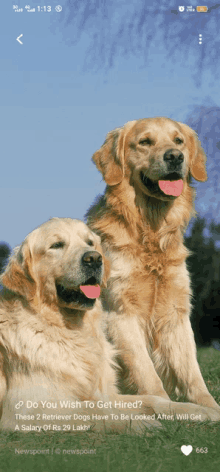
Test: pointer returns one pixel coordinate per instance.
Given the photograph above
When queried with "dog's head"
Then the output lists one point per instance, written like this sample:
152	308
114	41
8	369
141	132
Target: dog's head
156	154
60	263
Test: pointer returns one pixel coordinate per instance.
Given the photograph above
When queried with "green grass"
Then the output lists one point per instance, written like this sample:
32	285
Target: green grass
157	451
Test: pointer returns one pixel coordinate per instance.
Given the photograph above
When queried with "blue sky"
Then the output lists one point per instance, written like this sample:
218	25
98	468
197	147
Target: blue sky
55	114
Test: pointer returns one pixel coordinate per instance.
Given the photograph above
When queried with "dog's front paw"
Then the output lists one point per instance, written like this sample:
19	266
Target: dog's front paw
140	426
213	413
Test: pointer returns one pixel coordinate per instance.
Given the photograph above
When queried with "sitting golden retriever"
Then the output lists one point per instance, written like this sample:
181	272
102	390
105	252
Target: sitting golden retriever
148	165
54	356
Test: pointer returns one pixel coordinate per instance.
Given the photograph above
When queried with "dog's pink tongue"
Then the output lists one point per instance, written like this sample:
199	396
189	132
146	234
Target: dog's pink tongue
90	291
173	187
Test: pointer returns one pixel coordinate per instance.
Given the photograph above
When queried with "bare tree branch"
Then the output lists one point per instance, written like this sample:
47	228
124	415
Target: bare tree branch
121	27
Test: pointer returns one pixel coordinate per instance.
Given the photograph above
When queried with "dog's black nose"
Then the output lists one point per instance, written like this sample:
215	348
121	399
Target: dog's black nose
92	259
173	156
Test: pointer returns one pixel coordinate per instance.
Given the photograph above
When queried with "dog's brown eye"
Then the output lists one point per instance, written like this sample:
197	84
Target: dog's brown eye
145	142
90	243
178	141
57	245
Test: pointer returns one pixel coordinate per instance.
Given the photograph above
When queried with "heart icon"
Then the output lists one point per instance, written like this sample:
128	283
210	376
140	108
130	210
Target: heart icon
186	450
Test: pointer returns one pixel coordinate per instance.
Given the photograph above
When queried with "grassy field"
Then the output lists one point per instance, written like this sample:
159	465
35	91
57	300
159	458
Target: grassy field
157	451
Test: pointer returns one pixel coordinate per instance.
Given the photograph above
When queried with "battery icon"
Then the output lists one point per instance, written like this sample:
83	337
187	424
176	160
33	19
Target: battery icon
202	9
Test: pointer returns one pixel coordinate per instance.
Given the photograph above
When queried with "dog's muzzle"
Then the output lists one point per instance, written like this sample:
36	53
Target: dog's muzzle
173	159
88	289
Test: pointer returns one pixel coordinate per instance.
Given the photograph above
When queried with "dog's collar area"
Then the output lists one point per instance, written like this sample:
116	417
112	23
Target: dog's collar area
153	187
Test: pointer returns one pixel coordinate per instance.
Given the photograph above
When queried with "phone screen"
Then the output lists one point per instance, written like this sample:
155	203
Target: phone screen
70	74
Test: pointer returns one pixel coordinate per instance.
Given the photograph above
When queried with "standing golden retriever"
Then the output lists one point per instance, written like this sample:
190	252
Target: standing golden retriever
148	165
54	356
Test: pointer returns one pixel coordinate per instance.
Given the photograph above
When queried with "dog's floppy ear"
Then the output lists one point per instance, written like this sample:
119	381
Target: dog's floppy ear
107	270
106	265
197	155
109	159
17	274
198	164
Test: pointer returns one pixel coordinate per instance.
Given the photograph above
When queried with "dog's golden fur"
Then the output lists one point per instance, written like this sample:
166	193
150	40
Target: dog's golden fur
52	342
141	228
54	349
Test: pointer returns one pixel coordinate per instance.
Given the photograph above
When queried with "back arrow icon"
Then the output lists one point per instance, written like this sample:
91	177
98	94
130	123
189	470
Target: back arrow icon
18	38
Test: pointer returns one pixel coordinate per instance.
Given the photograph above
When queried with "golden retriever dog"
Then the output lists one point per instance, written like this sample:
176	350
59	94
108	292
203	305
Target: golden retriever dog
57	368
148	165
53	351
